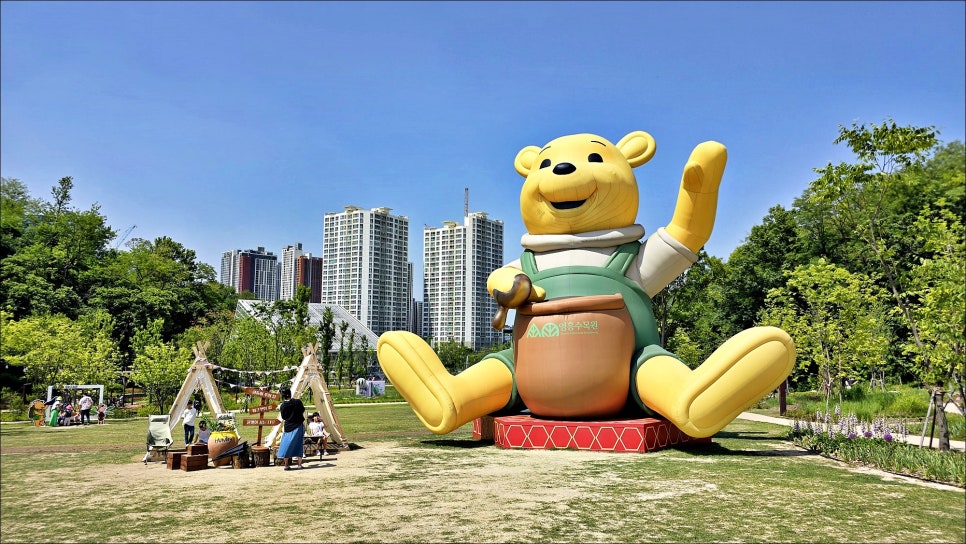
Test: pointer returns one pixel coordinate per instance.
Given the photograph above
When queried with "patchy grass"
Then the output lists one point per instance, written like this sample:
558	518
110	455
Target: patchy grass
404	484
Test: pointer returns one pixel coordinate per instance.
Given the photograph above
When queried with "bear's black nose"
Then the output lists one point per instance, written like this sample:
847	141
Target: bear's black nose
564	168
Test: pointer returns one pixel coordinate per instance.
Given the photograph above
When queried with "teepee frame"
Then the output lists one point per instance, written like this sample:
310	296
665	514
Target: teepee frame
199	377
310	376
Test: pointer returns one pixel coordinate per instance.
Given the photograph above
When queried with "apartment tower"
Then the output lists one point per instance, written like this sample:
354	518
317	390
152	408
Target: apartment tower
457	260
308	272
254	270
365	266
287	276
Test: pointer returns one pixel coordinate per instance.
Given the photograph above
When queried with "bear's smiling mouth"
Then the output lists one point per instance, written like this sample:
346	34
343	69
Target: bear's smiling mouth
568	205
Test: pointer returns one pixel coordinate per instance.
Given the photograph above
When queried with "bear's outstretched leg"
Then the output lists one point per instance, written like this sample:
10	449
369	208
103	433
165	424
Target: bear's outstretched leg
443	402
741	372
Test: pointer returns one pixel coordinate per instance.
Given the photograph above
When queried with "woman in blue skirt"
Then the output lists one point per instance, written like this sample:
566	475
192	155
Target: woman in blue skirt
292	414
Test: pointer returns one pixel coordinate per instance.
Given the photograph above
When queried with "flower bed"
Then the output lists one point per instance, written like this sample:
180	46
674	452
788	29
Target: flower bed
876	444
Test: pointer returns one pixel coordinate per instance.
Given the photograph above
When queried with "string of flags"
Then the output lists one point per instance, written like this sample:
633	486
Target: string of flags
271	386
253	375
261	372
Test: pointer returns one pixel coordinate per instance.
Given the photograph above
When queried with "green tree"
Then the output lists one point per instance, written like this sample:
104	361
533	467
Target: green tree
159	367
758	265
55	247
215	329
16	210
351	357
342	355
326	335
361	363
159	279
248	347
55	350
452	354
876	202
939	285
690	311
836	319
287	322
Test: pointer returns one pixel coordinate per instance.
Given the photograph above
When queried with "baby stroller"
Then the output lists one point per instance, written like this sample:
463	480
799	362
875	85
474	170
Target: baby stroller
158	439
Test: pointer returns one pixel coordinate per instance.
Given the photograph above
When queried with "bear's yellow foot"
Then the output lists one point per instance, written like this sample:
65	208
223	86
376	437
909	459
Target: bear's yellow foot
442	402
741	372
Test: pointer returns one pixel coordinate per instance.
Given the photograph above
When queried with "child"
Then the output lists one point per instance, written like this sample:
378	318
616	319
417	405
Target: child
203	432
66	416
319	434
101	413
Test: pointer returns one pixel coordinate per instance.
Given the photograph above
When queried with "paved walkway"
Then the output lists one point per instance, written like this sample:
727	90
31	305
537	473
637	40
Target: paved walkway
911	439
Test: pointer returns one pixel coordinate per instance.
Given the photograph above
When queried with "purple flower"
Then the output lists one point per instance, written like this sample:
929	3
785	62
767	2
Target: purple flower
887	436
868	434
852	435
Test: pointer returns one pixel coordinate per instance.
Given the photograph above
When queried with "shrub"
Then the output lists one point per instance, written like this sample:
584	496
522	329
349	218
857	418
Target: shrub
909	404
16	408
120	413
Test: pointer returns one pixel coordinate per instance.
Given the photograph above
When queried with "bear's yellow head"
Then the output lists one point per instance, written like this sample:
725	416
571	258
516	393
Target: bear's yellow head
581	183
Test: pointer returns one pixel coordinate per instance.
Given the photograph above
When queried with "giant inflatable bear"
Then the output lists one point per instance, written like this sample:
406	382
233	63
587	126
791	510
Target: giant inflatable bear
583	249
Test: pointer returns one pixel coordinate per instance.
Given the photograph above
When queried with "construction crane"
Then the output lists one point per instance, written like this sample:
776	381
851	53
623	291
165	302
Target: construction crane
124	236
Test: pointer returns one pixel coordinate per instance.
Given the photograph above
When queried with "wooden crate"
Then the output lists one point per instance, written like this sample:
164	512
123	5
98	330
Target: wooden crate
198	449
194	462
174	459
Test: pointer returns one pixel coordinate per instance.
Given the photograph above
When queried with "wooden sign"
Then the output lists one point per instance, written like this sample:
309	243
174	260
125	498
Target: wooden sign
262	408
264	422
261	393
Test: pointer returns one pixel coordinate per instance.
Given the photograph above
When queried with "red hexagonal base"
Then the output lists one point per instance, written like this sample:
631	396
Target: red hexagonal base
619	435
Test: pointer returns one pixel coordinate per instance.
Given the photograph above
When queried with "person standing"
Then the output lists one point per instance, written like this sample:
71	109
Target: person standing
292	413
188	417
101	413
53	417
85	404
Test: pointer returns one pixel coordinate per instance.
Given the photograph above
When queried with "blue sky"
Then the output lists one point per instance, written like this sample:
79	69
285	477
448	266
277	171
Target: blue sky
232	125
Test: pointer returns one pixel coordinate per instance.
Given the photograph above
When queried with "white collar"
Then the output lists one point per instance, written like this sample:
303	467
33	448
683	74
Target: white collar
597	238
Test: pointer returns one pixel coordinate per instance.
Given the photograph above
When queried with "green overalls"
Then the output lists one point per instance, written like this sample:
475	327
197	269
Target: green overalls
569	281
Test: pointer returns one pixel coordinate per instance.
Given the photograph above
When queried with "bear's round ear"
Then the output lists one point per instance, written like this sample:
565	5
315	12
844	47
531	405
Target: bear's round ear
637	147
524	161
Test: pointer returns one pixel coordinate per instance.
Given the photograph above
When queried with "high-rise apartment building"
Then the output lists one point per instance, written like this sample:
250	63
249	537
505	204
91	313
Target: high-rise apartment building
252	270
457	260
308	272
286	278
365	266
229	268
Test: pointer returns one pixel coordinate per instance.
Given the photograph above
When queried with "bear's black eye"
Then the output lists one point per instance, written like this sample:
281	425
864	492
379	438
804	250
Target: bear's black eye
545	163
594	157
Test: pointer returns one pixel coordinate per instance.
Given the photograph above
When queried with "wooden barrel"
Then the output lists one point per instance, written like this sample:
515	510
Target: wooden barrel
261	456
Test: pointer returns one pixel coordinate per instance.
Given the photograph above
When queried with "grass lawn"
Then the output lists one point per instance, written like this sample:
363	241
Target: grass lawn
403	484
